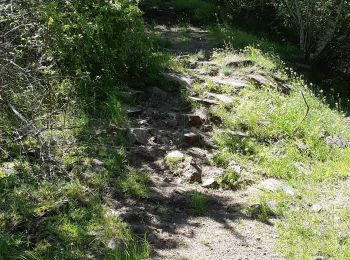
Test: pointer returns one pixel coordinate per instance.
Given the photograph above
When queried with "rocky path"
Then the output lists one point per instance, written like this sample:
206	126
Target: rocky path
187	215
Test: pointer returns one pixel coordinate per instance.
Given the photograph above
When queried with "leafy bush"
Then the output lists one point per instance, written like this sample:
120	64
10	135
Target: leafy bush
101	42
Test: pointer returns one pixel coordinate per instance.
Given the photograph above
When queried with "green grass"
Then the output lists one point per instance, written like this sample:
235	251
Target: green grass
198	204
79	228
64	214
135	184
282	144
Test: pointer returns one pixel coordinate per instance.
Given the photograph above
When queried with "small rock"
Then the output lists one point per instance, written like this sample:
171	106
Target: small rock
210	183
199	153
259	79
336	142
316	208
140	135
192	139
8	168
192	173
235	166
134	111
220	97
96	166
272	205
207	128
274	185
194	120
209	171
175	156
112	243
208	141
94	233
143	122
202	113
97	163
112	213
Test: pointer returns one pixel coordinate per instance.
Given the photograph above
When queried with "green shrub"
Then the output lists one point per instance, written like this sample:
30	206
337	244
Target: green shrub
101	43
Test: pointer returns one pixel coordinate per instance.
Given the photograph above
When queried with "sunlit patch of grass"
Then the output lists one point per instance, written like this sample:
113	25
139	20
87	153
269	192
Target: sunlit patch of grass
135	183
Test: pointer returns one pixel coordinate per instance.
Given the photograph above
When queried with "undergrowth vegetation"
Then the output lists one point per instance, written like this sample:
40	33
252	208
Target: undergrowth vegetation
64	68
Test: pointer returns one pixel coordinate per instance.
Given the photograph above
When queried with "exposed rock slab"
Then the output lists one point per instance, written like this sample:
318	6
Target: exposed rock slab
220	97
336	142
205	101
183	80
231	82
259	79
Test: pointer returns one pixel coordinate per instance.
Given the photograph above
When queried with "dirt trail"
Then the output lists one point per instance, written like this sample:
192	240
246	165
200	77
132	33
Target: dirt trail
162	123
